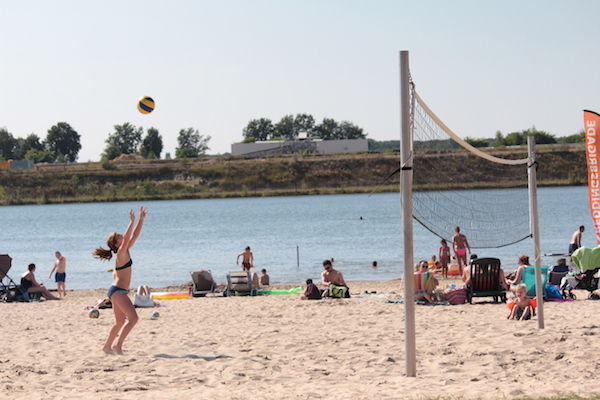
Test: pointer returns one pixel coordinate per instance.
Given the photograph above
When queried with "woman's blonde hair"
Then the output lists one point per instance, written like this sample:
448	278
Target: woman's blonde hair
104	254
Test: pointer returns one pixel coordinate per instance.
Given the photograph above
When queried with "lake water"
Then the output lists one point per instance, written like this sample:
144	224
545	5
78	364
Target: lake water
185	235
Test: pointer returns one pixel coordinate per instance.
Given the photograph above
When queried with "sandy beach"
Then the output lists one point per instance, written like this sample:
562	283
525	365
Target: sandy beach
281	347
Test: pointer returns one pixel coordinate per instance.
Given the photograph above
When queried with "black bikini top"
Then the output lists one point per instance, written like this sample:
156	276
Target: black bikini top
127	265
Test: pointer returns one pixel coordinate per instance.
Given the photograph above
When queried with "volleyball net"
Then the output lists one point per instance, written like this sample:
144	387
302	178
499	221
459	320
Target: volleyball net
457	184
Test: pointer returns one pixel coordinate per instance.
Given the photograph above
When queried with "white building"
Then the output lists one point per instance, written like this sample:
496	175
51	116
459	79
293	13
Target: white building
287	146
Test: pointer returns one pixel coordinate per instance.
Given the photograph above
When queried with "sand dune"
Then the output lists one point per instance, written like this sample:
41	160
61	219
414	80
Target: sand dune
280	347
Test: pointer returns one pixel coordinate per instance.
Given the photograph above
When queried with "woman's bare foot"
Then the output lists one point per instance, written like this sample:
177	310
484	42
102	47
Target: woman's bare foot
107	350
117	350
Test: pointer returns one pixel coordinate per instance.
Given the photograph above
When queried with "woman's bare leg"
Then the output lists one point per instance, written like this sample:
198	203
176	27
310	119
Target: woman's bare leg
123	303
119	321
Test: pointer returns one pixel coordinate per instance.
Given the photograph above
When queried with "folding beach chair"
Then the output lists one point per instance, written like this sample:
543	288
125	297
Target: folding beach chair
239	283
202	283
9	290
529	280
485	280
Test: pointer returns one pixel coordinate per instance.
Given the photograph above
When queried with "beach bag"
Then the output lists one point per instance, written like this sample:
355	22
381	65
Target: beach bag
143	298
552	292
456	296
338	292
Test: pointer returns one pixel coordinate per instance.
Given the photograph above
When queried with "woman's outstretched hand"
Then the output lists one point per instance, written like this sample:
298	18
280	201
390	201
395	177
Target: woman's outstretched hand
143	212
131	215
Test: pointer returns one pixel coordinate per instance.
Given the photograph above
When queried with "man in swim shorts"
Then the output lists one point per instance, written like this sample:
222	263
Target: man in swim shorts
247	259
60	266
460	244
575	242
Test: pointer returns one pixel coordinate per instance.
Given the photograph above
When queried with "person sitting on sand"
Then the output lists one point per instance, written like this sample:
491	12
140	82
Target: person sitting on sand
425	283
518	275
264	277
311	292
29	284
560	267
332	277
522	308
247	259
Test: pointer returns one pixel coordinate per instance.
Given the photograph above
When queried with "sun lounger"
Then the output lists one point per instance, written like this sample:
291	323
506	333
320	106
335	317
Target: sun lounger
202	283
485	280
239	283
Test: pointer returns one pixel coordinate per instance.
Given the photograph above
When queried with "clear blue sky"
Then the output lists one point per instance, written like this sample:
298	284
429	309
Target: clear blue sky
482	66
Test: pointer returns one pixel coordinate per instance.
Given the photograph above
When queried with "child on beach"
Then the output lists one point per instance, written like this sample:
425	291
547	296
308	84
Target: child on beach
264	277
247	259
312	292
60	266
522	308
444	254
117	293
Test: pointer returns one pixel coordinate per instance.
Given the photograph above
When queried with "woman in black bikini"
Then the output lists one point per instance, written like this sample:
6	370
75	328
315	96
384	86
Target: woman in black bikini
117	293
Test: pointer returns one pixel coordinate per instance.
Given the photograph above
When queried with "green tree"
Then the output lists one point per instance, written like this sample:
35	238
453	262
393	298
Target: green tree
515	139
31	142
477	142
328	129
541	137
285	128
347	130
191	143
39	156
62	140
152	145
575	138
498	140
124	140
304	123
259	129
8	144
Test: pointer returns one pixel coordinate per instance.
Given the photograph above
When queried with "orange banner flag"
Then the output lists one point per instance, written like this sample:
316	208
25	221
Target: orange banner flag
591	124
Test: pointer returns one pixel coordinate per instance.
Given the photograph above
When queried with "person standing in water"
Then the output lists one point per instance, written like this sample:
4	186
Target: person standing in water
60	266
120	244
247	259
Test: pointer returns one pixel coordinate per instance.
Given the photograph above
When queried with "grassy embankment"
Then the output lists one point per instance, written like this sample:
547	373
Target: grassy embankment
275	176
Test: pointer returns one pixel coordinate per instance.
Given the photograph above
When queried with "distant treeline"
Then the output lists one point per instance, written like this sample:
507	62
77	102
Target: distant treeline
512	139
213	177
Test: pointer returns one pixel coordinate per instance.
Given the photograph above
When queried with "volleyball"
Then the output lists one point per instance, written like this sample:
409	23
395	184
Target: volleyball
145	105
94	313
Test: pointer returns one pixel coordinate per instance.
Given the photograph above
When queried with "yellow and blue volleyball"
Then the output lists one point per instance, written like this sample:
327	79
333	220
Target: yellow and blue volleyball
145	105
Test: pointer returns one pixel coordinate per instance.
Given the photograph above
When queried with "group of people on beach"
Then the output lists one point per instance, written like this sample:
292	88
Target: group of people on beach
521	305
